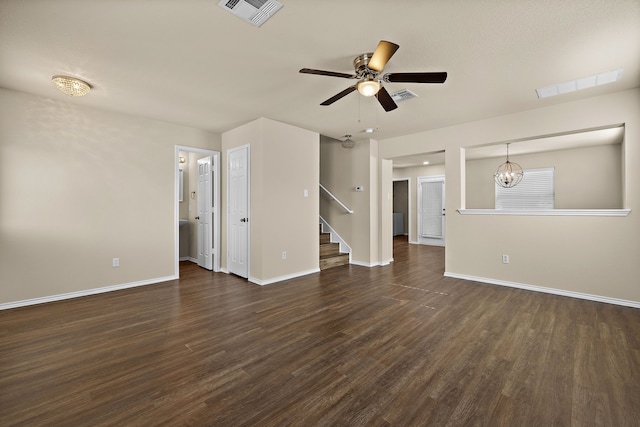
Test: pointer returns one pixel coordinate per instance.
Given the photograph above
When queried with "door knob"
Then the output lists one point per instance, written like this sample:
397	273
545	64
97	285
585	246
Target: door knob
243	219
197	217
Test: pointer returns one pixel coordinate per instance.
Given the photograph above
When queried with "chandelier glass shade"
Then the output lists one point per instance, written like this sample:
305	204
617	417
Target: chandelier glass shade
71	86
509	174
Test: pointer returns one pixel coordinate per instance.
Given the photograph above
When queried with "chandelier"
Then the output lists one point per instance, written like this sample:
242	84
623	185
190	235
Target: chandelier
348	143
509	174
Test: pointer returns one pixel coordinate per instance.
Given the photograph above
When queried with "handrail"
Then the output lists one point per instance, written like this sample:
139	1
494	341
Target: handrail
336	199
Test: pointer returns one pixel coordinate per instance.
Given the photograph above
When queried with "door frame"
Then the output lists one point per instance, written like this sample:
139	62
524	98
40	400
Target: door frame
427	240
409	212
176	213
228	207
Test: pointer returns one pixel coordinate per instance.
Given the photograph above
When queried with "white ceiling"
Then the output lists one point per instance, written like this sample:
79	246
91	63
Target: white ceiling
191	62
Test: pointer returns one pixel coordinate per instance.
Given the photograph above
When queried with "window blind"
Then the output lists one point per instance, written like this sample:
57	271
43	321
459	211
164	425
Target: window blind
535	191
432	209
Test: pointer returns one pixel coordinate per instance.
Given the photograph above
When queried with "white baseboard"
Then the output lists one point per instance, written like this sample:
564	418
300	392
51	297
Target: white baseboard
282	278
365	264
554	291
59	297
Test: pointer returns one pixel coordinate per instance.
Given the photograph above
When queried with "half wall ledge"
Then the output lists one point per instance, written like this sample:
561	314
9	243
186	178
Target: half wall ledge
548	212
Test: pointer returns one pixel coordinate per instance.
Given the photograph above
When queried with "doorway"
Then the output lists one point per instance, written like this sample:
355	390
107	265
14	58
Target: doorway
197	209
401	206
431	210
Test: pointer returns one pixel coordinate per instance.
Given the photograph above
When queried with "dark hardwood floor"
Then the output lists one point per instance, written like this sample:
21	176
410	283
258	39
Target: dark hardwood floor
399	345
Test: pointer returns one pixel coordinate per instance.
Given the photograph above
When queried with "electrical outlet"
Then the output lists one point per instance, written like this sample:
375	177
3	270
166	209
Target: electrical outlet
505	259
284	254
116	262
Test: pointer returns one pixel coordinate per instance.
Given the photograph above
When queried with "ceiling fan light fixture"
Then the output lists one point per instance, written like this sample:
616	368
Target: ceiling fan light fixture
369	86
70	85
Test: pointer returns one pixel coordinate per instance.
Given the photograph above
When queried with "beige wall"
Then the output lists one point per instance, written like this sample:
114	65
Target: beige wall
588	255
413	173
284	162
585	178
341	170
80	186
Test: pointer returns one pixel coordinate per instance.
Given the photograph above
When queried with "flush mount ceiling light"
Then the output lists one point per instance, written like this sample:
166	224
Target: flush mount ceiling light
509	174
71	86
579	84
368	86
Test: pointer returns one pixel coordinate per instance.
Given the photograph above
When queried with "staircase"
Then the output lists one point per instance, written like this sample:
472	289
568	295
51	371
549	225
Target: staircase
330	255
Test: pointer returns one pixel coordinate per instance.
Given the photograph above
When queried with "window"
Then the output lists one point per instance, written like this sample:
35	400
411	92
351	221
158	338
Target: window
535	191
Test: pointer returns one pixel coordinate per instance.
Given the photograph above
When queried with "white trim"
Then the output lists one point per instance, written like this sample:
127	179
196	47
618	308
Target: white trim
548	212
282	278
554	291
87	292
365	264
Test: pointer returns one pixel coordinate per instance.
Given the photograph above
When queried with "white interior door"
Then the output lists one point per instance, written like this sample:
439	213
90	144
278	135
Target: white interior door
238	212
431	210
205	223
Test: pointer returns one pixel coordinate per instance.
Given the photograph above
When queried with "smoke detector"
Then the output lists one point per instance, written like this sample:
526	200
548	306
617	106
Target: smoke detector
255	12
348	143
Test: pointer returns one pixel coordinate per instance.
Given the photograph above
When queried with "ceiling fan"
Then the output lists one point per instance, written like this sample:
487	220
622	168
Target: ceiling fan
368	66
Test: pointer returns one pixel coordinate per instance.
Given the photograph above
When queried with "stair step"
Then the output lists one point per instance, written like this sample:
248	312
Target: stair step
330	255
329	249
333	261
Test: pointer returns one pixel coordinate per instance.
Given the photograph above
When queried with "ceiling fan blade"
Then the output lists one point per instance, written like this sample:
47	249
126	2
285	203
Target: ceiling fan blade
342	94
385	100
327	73
415	77
382	54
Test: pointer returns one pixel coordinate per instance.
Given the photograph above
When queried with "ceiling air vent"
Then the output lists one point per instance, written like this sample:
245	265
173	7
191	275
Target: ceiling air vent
403	95
255	12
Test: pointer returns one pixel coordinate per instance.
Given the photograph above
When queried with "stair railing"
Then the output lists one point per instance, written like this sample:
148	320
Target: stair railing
336	199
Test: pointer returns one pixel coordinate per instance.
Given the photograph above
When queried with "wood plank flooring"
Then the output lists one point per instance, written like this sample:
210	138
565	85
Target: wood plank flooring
399	345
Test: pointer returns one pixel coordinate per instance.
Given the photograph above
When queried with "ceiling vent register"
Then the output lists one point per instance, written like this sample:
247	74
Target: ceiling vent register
255	12
403	95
